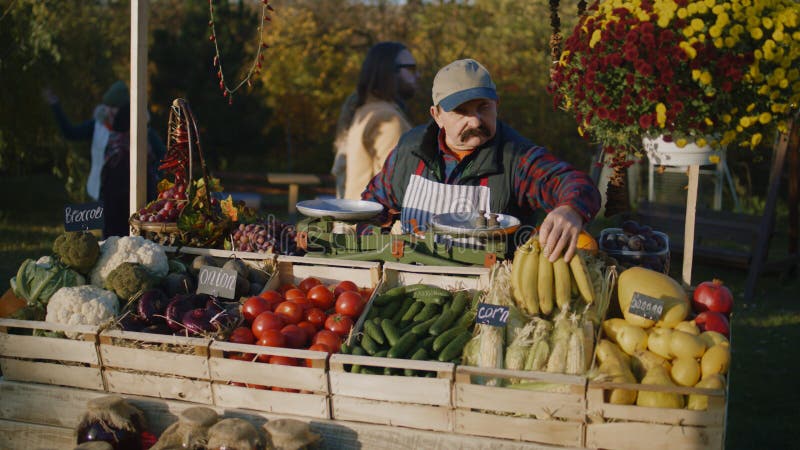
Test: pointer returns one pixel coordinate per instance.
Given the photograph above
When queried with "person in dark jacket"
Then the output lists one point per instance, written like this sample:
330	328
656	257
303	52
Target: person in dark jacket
466	160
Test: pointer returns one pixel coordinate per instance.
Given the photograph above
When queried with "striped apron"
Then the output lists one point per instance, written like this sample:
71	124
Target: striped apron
425	198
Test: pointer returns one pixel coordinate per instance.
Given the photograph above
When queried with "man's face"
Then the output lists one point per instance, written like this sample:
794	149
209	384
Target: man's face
407	76
469	125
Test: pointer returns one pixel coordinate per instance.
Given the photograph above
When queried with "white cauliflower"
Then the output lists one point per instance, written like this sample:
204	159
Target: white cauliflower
82	305
136	249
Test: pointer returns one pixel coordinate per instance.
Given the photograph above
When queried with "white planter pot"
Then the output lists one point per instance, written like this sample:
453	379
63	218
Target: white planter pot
668	154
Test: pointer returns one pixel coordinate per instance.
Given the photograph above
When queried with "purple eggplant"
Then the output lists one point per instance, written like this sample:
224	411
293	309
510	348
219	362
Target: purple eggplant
152	304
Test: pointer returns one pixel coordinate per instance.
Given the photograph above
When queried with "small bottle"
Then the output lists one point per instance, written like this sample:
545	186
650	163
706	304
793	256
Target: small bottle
234	434
493	222
480	221
113	420
190	431
292	434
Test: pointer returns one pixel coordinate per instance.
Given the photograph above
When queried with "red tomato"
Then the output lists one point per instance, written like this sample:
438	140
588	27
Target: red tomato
318	348
321	297
316	316
295	336
339	324
242	335
350	304
309	328
266	321
292	294
272	297
290	312
286	287
309	283
254	306
303	302
272	338
282	360
344	286
329	338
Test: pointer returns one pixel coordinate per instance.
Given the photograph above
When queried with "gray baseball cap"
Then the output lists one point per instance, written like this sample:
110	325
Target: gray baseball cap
462	81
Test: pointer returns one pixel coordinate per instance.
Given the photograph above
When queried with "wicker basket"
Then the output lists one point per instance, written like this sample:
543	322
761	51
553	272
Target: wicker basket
183	146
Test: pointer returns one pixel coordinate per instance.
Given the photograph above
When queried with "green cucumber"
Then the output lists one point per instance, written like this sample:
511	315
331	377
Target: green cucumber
423	327
427	312
402	311
446	337
411	288
395	291
467	319
426	343
450	314
402	347
412	311
419	355
431	291
455	347
374	331
345	349
369	345
356	350
390	331
391	309
374	311
434	299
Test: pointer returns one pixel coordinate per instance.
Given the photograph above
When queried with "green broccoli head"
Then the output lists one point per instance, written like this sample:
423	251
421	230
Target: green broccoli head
78	250
128	278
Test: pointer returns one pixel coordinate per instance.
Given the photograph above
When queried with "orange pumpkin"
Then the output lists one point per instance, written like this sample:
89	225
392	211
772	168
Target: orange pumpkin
587	242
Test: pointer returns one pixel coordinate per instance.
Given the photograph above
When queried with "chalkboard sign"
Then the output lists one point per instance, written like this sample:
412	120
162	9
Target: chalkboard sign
646	306
84	216
494	315
216	281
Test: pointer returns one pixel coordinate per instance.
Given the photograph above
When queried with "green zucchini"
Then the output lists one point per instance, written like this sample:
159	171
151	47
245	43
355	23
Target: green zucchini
403	346
390	331
427	312
455	347
446	337
374	331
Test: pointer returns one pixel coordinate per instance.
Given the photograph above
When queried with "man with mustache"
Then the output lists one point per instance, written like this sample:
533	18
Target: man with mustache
468	160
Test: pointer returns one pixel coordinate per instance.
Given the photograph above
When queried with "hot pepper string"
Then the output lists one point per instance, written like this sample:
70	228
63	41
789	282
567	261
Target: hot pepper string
255	68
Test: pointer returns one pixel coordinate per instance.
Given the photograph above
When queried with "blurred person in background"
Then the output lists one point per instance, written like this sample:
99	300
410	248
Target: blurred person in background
97	129
373	119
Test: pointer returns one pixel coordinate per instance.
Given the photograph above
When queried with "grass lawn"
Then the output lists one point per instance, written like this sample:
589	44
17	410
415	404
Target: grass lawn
763	407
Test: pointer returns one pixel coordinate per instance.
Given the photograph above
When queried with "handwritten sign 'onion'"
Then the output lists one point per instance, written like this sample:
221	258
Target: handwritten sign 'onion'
84	216
216	281
493	315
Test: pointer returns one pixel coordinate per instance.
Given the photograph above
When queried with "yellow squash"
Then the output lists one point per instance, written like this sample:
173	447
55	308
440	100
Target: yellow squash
657	285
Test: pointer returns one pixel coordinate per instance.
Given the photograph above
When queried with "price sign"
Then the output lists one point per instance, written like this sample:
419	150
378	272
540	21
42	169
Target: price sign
494	315
646	306
84	216
216	281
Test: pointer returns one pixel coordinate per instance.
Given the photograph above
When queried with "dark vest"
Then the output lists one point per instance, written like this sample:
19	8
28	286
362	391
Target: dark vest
496	160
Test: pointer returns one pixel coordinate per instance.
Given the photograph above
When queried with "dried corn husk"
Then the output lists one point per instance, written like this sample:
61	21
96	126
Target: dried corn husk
492	338
540	347
519	349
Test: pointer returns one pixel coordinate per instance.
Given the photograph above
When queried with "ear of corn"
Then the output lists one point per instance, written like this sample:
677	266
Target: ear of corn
519	349
491	345
562	329
540	346
576	354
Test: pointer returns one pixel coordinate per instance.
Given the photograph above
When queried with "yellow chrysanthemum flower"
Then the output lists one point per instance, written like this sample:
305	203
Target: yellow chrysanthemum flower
697	24
756	33
706	78
726	118
716	31
766	22
750	107
713	159
764	118
755	140
682	13
709	122
745	122
701	142
691	53
681	142
595	38
661	115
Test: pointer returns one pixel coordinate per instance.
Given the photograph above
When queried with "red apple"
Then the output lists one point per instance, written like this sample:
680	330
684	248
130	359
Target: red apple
712	296
713	321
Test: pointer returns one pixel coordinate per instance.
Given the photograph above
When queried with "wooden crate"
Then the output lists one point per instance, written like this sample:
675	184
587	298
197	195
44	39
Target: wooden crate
227	375
416	402
156	365
550	417
37	416
635	427
50	360
293	269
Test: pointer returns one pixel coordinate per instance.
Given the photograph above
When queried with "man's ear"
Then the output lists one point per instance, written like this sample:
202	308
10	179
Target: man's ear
435	114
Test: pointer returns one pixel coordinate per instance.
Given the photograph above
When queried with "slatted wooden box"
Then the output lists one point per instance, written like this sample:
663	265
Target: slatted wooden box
299	390
293	269
416	402
636	427
50	360
553	414
173	367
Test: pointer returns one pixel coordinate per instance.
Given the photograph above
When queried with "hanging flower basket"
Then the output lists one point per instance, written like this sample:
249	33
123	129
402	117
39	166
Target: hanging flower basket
665	153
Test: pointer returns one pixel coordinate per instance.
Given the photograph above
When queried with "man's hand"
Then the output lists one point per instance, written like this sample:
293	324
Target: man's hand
559	232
